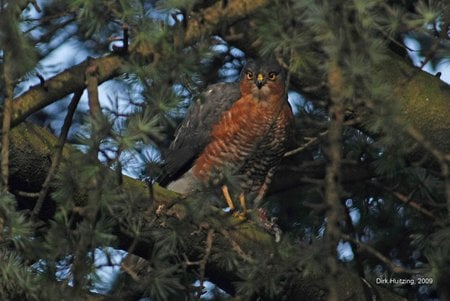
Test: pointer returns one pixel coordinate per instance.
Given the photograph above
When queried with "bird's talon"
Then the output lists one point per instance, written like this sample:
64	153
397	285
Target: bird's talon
239	215
271	225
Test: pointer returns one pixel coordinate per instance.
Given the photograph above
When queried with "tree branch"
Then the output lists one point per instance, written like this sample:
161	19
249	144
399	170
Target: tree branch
392	266
333	188
210	19
62	84
58	154
35	144
6	125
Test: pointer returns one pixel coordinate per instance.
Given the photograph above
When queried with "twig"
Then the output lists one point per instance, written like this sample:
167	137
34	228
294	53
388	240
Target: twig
58	154
6	126
311	141
419	137
352	231
92	89
125	39
125	28
392	266
41	79
236	247
129	270
413	204
26	194
36	6
442	158
408	201
209	242
431	54
187	262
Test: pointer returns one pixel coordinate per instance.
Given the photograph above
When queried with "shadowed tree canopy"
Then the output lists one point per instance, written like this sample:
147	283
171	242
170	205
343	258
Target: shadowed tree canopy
92	92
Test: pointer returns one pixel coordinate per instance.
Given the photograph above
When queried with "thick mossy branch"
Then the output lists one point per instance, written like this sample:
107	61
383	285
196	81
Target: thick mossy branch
424	100
32	148
210	19
63	84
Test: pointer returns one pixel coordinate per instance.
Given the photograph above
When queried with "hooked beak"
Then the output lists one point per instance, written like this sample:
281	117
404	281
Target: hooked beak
259	80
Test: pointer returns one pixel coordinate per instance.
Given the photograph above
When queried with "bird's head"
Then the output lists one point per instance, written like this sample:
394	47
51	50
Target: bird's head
262	79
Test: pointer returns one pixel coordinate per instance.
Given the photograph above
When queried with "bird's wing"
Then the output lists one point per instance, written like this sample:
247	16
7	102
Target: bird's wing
193	134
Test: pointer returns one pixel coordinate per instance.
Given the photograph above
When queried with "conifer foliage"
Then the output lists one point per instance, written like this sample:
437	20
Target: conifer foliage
93	90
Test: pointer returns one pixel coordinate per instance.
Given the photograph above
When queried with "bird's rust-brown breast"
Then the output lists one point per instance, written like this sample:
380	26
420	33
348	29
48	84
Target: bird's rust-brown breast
249	139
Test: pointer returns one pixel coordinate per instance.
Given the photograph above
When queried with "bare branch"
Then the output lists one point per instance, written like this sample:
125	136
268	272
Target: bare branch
392	266
311	141
92	89
209	242
58	153
6	125
442	158
61	85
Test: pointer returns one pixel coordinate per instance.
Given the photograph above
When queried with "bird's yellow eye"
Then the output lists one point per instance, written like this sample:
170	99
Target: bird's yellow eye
272	76
249	75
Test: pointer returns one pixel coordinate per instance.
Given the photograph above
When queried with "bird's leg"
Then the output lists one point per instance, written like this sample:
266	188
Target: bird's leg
229	200
226	195
264	187
243	203
269	223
